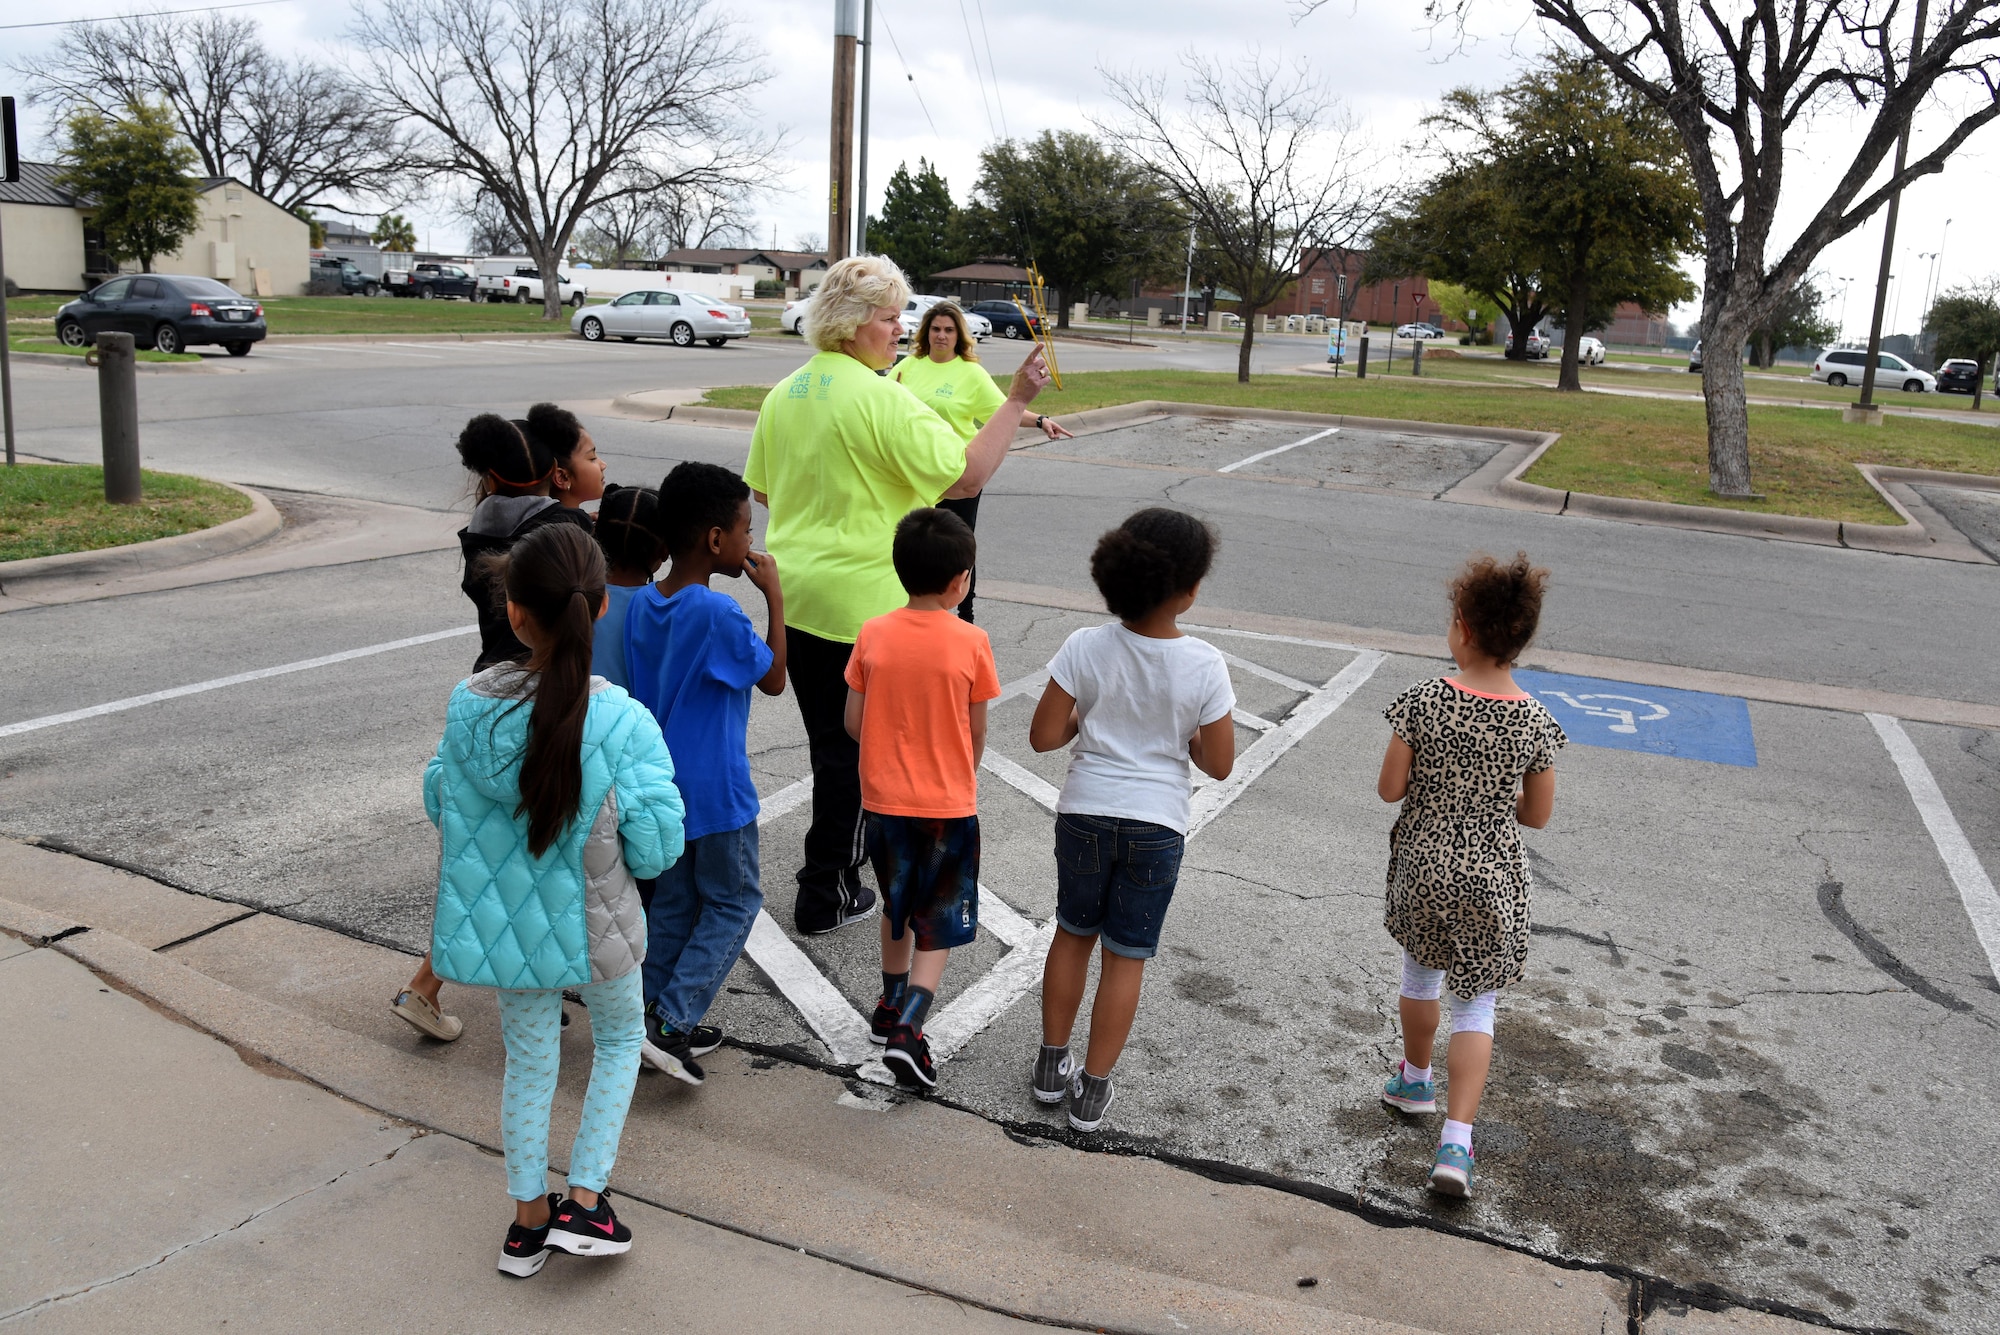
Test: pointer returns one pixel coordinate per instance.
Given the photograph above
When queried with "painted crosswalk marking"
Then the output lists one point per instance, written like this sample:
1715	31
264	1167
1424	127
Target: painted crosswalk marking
843	1029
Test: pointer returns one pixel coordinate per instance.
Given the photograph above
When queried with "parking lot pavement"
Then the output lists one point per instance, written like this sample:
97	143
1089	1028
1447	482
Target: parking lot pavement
1752	1050
1340	456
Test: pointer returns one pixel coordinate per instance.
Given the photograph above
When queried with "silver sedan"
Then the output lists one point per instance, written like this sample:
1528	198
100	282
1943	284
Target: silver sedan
681	317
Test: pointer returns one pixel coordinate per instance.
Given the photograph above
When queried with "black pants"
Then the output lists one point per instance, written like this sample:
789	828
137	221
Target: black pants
827	882
968	510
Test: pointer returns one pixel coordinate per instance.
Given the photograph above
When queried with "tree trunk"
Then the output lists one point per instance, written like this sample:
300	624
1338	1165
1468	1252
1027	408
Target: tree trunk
1062	310
1579	302
1243	352
1728	410
1979	384
1769	355
547	263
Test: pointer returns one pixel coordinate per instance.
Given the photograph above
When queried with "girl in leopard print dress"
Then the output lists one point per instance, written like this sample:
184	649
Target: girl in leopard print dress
1473	756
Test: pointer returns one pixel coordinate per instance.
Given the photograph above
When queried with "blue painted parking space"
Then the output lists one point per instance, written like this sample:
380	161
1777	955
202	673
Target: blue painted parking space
1693	725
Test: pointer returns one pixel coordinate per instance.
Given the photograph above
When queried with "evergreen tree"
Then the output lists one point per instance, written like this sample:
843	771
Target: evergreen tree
136	172
919	226
1966	323
393	232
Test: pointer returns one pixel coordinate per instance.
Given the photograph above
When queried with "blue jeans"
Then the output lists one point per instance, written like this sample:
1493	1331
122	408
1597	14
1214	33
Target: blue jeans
700	917
1116	877
531	1027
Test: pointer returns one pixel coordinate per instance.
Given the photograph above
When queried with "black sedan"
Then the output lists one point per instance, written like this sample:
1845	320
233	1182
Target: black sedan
1006	318
170	312
1960	375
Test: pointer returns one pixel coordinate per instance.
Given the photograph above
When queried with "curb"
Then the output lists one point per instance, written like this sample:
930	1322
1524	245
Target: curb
160	553
65	359
497	336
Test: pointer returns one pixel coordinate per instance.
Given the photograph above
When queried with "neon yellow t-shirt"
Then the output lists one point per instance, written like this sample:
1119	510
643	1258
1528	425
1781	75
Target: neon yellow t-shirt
843	455
959	391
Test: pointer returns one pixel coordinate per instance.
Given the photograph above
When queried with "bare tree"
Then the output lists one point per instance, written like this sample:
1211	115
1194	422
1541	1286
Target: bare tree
489	232
295	132
1262	161
552	106
671	214
1736	80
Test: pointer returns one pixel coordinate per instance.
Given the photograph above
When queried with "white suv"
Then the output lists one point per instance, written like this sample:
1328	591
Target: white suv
1845	366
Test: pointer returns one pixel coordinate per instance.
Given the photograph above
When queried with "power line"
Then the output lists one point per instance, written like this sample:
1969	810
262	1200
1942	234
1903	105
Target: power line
977	73
149	14
992	69
906	72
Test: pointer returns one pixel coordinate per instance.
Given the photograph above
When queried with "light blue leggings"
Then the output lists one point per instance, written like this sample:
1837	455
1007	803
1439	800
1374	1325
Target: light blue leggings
531	1024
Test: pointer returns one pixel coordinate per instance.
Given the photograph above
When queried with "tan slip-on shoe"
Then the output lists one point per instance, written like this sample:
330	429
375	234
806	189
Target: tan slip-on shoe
425	1017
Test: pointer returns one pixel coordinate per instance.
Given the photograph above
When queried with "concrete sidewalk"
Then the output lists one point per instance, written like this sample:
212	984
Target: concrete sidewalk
213	1119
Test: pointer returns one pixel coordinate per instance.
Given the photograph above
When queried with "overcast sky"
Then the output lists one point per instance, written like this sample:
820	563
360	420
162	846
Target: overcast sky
985	69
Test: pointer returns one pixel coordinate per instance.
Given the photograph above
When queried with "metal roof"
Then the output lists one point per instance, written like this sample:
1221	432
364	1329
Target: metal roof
37	186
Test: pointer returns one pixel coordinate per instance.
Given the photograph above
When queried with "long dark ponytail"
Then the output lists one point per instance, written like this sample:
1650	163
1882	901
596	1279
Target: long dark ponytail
556	574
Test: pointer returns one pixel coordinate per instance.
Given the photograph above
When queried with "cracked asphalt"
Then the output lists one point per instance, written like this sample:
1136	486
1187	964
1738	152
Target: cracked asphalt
1755	1048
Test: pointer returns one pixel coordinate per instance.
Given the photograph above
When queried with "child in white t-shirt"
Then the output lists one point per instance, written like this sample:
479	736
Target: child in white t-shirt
1141	700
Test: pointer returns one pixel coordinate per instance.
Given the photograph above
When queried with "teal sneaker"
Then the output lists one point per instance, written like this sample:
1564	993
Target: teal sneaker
1451	1171
1412	1096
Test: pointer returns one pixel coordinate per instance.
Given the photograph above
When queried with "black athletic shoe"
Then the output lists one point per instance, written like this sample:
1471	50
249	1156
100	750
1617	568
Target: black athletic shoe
857	902
883	1022
909	1059
669	1050
526	1249
582	1232
704	1039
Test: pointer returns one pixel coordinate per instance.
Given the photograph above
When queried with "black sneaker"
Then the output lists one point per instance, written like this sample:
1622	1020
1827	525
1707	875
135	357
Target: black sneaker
704	1039
526	1249
909	1059
883	1022
582	1232
857	902
669	1050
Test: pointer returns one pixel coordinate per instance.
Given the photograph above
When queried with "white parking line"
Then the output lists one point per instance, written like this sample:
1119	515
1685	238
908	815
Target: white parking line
236	679
1244	463
1268	674
1975	887
1266	751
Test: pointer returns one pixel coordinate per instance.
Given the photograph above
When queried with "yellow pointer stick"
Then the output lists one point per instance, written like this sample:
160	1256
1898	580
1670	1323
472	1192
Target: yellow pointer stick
1036	293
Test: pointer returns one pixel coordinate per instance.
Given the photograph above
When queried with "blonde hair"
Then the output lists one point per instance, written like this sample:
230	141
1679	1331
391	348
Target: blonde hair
852	291
920	345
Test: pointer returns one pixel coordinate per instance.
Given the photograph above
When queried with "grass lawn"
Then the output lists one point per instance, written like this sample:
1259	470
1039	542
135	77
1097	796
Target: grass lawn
46	509
21	343
1651	449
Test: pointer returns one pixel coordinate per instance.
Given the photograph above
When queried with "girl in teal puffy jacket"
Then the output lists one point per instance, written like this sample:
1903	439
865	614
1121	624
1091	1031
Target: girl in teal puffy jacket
552	789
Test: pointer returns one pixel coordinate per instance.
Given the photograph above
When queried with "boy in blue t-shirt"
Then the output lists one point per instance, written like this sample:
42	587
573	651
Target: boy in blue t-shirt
693	656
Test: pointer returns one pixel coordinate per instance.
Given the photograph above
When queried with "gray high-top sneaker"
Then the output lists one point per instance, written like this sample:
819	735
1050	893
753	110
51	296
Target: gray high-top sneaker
1053	1068
1089	1099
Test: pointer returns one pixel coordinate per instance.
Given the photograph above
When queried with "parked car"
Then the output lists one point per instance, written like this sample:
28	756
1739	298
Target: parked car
1846	366
794	312
520	281
1960	375
1694	356
170	312
428	280
913	316
1590	351
353	282
1006	319
682	318
1535	345
1419	330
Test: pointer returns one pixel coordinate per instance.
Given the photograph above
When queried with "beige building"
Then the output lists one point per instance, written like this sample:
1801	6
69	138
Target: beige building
244	239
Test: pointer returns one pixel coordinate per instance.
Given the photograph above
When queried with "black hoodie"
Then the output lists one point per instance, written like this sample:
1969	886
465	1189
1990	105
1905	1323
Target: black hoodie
498	522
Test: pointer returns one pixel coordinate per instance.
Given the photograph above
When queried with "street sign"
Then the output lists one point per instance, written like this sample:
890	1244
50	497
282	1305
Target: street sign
1624	716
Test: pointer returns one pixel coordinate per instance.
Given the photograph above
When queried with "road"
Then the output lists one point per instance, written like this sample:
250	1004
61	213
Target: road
1756	1040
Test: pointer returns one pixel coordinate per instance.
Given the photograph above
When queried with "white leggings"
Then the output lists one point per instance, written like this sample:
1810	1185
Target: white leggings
1421	984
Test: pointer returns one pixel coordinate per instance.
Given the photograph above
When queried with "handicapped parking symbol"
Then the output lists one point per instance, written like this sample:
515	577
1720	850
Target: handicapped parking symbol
1628	719
1694	725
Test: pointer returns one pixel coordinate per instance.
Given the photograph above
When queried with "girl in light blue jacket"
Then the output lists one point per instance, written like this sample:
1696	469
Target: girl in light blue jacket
552	789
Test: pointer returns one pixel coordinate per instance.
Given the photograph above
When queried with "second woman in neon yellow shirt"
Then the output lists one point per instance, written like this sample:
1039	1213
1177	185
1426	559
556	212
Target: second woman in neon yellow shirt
943	370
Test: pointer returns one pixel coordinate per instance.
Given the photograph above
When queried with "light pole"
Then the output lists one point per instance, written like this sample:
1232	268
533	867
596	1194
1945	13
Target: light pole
1841	337
1865	410
861	173
1187	279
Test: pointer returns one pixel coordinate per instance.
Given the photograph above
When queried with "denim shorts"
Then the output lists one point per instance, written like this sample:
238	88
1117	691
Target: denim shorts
1115	878
928	868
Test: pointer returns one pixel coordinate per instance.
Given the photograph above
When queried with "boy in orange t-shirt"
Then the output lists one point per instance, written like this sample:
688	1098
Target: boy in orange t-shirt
918	682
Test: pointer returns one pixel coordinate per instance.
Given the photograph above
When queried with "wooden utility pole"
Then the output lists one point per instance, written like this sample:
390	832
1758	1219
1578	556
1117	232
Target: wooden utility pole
1866	410
839	201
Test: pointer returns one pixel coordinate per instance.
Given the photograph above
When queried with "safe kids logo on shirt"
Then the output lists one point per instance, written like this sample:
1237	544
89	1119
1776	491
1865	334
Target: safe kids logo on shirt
1627	717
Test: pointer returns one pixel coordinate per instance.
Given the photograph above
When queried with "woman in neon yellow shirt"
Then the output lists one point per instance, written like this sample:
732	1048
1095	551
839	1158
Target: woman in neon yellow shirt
943	370
840	455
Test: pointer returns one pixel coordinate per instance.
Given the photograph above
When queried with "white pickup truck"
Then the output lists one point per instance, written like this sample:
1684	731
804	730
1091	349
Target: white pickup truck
520	280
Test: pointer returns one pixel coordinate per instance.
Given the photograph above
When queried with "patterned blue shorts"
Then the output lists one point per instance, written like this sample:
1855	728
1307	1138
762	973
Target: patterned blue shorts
928	869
